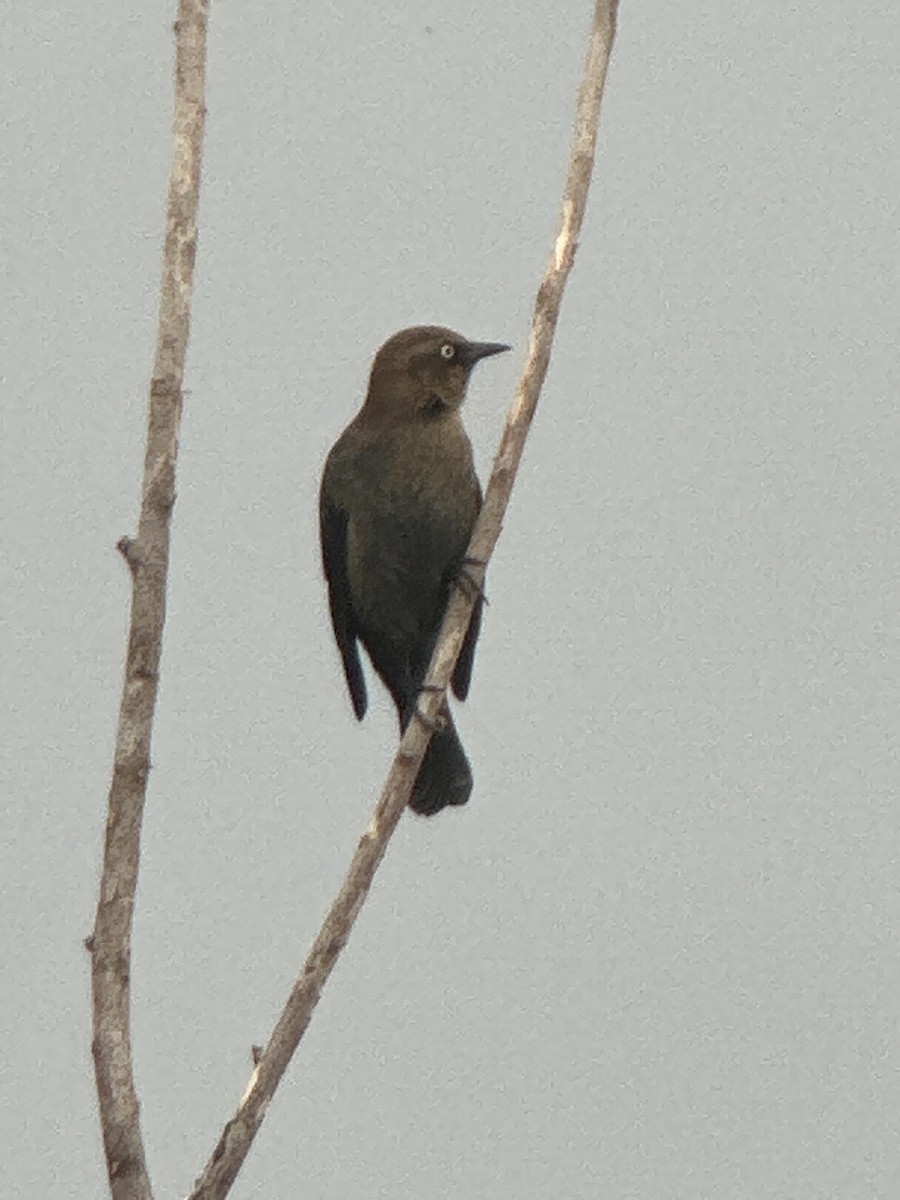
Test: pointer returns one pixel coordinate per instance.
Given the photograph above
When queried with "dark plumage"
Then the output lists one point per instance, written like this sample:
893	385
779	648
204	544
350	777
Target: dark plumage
397	506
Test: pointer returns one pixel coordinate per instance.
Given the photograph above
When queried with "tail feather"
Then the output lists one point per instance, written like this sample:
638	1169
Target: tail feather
445	776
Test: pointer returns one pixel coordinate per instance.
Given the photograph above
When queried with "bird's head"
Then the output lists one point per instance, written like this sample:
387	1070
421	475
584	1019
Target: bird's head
422	373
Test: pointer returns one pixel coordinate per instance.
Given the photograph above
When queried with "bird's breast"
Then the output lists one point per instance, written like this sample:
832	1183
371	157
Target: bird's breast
410	526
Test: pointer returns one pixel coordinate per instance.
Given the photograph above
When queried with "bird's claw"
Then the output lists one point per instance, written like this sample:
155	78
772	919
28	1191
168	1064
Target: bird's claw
439	721
466	582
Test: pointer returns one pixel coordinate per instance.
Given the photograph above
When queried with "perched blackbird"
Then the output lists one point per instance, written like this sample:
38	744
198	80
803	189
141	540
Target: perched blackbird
397	506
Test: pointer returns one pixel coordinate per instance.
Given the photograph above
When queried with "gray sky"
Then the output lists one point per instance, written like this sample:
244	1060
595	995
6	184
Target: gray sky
657	953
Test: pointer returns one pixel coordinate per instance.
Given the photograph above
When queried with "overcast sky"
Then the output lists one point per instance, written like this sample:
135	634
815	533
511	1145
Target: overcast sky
656	955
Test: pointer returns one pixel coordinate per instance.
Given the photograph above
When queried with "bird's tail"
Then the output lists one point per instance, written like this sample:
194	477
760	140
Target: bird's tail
445	776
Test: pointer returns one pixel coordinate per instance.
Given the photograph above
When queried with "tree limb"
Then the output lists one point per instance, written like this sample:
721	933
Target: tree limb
237	1137
147	557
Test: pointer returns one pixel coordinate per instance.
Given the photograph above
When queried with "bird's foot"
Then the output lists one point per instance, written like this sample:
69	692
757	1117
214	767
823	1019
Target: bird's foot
467	582
439	721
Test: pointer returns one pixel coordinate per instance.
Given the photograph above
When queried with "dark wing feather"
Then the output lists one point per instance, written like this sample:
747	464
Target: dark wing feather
462	672
333	534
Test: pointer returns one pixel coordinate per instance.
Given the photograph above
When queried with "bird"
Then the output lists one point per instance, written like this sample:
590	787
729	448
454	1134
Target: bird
397	505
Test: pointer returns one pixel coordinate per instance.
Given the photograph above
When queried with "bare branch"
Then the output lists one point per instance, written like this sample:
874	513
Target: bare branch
236	1139
147	557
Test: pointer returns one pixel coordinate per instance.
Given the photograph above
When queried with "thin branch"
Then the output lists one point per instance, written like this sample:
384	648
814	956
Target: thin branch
147	557
237	1137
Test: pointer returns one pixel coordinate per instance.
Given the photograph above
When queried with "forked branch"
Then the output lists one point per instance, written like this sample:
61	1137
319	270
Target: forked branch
238	1134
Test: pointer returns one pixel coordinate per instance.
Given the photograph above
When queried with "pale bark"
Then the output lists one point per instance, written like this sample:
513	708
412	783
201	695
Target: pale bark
238	1134
147	556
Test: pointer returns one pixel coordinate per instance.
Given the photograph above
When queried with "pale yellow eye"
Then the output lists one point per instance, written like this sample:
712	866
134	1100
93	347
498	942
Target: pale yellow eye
448	350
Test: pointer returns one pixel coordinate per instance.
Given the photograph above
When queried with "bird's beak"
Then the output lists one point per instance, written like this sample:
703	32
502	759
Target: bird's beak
473	352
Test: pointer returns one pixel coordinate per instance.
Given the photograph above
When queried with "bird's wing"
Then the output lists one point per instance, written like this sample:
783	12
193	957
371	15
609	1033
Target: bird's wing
462	672
333	534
